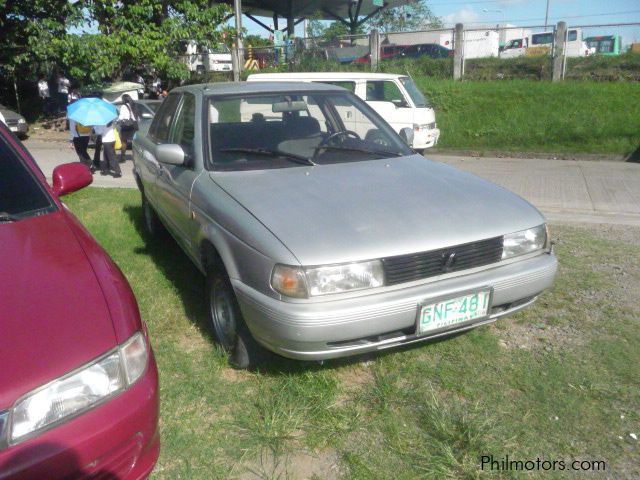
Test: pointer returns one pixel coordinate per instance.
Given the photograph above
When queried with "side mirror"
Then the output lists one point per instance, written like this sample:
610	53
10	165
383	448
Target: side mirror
70	177
171	154
406	134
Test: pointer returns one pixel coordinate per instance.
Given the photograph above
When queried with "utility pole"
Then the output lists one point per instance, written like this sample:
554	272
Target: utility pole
546	16
238	55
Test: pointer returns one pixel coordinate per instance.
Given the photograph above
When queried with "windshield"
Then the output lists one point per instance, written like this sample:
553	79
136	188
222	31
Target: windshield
21	195
415	94
291	130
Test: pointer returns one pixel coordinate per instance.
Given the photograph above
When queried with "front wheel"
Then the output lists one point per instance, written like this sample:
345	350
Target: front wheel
229	327
152	223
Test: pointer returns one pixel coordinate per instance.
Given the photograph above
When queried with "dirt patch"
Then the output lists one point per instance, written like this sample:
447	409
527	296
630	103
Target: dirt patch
299	465
232	375
538	336
352	379
622	272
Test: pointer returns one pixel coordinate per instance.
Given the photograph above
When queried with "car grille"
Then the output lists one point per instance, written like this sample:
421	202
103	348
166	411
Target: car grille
12	122
416	266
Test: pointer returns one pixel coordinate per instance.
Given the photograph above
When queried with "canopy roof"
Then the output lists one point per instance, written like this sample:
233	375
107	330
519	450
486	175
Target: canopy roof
303	8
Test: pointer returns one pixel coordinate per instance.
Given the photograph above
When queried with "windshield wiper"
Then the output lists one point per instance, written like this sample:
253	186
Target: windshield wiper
8	217
356	149
272	153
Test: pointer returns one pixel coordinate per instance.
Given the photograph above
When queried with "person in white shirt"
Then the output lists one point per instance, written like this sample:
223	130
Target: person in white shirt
127	124
79	137
63	92
43	93
109	164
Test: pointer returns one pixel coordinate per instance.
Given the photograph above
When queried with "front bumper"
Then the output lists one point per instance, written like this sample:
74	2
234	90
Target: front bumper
118	439
318	330
18	128
425	138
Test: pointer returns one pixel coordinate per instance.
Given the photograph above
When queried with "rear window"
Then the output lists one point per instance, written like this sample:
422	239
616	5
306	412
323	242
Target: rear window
542	38
20	193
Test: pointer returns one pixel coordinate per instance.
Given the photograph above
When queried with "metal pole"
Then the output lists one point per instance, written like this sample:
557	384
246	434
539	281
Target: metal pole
546	16
238	51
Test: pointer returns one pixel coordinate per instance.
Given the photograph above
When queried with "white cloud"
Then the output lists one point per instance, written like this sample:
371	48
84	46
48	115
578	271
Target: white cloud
464	15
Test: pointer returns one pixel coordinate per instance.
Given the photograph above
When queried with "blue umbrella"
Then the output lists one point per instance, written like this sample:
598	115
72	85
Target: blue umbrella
91	111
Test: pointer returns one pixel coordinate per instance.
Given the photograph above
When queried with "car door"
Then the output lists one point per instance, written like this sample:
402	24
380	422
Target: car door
175	181
146	165
386	98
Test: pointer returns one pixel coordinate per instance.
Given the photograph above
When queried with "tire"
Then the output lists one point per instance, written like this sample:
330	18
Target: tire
228	326
152	224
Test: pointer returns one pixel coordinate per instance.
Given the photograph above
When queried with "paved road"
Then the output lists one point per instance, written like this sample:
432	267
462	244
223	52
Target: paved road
565	191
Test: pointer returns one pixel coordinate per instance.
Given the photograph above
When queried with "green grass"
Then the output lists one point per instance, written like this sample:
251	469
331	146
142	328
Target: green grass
531	116
557	381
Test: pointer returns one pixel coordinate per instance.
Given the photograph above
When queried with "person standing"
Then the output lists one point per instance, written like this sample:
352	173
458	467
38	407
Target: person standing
109	163
127	123
63	92
43	93
79	137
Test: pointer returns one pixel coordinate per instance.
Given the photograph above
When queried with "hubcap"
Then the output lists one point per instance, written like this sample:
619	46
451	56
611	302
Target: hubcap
223	315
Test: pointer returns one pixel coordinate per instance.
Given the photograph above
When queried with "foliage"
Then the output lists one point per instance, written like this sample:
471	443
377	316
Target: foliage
28	27
116	39
318	29
415	15
256	41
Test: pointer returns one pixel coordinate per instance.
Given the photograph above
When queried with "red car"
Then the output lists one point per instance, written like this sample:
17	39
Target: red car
386	52
78	381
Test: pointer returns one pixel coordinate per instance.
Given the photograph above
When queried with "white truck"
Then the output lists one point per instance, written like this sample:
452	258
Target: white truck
538	44
201	59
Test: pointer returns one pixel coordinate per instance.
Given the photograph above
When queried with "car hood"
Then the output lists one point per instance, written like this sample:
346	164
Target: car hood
10	114
54	317
373	209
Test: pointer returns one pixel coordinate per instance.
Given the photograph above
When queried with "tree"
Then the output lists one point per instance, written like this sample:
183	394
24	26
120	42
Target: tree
415	15
318	29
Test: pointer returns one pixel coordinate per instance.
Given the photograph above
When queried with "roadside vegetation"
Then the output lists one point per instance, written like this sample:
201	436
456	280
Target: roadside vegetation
558	381
532	116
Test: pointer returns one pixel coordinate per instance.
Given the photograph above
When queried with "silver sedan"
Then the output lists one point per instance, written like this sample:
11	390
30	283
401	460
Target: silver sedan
321	234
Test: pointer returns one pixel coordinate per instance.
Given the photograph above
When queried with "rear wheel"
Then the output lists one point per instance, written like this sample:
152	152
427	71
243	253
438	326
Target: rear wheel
229	327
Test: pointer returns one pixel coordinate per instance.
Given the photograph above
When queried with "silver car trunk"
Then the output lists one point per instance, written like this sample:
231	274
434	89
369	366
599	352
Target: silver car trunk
371	209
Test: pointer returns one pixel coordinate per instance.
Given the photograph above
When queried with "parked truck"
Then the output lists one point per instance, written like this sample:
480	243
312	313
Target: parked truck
539	44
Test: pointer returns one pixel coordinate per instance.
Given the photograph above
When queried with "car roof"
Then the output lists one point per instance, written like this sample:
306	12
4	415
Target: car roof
242	88
326	75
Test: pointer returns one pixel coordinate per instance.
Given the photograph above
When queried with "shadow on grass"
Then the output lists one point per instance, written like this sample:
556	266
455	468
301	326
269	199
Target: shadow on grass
177	268
190	285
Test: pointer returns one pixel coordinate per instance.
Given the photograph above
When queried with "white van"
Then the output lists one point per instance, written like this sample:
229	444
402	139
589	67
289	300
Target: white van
542	43
395	97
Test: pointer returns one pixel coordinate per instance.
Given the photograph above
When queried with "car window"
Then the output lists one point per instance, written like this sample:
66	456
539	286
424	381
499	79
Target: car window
351	86
384	91
184	131
542	38
572	36
159	130
284	130
20	192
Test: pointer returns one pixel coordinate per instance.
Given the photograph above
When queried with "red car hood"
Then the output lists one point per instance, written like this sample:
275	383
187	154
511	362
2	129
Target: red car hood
53	315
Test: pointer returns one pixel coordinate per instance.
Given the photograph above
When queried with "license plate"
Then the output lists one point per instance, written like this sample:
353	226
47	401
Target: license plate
452	311
13	129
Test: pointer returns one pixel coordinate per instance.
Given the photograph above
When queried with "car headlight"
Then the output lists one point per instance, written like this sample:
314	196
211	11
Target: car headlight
302	282
524	241
22	120
80	390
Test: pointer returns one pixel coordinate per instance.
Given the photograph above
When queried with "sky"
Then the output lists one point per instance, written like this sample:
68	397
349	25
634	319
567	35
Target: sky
475	13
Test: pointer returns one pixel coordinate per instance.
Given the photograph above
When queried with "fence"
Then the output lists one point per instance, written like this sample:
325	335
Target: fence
491	52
